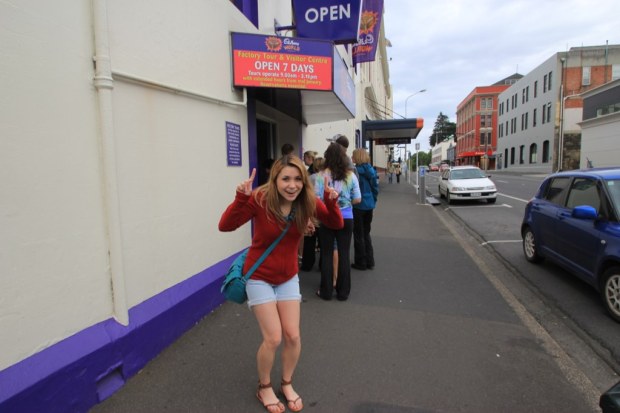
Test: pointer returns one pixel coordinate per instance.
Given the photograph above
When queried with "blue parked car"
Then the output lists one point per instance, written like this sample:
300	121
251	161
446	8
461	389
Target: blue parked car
574	221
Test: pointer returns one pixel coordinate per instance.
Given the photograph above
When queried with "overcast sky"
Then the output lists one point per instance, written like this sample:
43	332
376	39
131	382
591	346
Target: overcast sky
449	47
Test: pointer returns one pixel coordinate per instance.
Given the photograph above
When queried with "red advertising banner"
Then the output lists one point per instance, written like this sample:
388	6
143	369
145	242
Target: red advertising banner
270	61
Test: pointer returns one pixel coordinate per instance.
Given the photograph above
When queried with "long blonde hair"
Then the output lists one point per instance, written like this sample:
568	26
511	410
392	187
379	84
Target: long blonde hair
268	197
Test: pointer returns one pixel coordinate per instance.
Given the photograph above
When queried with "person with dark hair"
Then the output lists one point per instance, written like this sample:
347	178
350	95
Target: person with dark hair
337	174
343	141
273	289
287	149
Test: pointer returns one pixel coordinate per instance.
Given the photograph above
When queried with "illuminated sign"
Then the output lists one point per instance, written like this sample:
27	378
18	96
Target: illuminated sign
281	62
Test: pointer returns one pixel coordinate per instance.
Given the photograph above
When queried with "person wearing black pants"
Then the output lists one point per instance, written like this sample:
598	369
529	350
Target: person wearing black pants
364	257
342	179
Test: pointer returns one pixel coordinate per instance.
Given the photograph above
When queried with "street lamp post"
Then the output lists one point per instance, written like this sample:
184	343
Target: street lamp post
410	96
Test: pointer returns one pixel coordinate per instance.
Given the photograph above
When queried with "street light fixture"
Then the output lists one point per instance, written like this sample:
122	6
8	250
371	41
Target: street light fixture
410	96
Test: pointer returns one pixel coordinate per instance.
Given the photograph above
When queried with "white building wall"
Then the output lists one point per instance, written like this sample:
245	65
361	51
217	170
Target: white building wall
53	245
533	134
173	182
599	141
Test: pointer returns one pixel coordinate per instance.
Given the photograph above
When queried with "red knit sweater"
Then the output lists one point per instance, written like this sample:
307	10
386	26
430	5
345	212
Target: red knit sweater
281	265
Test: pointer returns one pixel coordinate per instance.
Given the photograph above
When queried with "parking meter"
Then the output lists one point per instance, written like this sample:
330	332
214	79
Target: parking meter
421	185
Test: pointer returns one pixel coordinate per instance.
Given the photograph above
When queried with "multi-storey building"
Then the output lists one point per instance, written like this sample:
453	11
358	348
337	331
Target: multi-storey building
476	118
539	115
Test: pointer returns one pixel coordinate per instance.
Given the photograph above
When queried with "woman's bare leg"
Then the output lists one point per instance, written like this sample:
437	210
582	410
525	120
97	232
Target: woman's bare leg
271	330
290	318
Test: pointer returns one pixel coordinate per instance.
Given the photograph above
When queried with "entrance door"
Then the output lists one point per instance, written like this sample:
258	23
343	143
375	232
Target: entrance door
266	148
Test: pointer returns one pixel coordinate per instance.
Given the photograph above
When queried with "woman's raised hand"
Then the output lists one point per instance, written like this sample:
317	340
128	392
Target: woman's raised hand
333	194
245	187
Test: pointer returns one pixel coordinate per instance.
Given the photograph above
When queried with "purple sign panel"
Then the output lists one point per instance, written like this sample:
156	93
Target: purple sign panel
335	20
368	36
233	144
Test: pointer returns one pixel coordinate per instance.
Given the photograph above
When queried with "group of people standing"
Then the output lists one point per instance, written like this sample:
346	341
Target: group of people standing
333	199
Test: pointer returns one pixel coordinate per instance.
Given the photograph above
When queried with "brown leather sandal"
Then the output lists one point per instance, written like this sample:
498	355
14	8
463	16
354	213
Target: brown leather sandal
290	403
267	407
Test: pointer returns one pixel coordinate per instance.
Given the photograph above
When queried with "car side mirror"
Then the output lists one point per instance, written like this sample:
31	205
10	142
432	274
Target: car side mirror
585	212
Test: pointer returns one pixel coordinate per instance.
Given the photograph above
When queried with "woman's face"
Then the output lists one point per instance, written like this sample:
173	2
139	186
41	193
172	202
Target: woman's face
289	183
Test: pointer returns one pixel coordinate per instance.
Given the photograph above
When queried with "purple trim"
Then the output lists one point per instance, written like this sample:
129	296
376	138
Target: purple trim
86	368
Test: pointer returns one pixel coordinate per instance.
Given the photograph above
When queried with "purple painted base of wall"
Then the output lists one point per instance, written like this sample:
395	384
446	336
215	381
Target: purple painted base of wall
86	368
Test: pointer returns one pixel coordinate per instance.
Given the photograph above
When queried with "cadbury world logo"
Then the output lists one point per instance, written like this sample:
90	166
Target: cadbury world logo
274	44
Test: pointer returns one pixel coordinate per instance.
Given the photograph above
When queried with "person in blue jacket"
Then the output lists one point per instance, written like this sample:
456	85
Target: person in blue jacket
363	257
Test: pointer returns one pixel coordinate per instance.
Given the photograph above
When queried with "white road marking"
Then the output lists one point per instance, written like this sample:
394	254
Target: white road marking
501	241
525	201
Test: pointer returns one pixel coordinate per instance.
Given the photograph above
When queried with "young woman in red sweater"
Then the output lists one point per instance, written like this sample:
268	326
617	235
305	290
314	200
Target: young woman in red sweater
273	289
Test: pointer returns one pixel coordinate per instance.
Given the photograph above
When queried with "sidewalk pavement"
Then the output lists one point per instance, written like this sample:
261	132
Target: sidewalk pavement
425	331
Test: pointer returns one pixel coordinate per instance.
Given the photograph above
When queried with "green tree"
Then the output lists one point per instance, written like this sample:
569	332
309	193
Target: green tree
424	159
443	128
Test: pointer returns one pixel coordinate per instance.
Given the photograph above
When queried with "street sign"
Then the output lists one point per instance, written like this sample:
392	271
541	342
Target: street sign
391	141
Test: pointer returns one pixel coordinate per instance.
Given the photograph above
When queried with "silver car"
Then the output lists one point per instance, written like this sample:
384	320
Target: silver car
462	183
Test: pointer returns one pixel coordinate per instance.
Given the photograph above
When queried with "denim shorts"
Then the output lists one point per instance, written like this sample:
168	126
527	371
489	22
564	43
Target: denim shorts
261	292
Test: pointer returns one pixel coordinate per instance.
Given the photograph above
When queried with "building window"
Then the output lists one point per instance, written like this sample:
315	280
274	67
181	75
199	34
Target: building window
536	88
501	130
549	81
485	121
521	153
534	117
615	72
544	83
548	112
546	152
512	156
542	118
585	76
507	130
485	138
533	153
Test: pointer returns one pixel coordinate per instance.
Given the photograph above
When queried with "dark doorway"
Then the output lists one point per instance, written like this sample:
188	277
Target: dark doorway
266	145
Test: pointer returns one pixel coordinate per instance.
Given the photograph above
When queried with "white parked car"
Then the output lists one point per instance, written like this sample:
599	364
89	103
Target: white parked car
461	183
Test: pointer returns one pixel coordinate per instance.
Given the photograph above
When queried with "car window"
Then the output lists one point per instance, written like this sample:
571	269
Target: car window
556	190
613	187
583	191
467	174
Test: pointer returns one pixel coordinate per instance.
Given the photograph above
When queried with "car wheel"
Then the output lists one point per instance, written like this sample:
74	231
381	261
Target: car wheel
439	189
491	200
448	197
610	292
529	246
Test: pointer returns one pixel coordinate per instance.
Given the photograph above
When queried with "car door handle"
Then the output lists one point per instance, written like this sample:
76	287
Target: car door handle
562	214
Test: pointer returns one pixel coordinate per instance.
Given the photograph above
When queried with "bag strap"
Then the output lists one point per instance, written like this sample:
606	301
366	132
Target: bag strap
260	260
